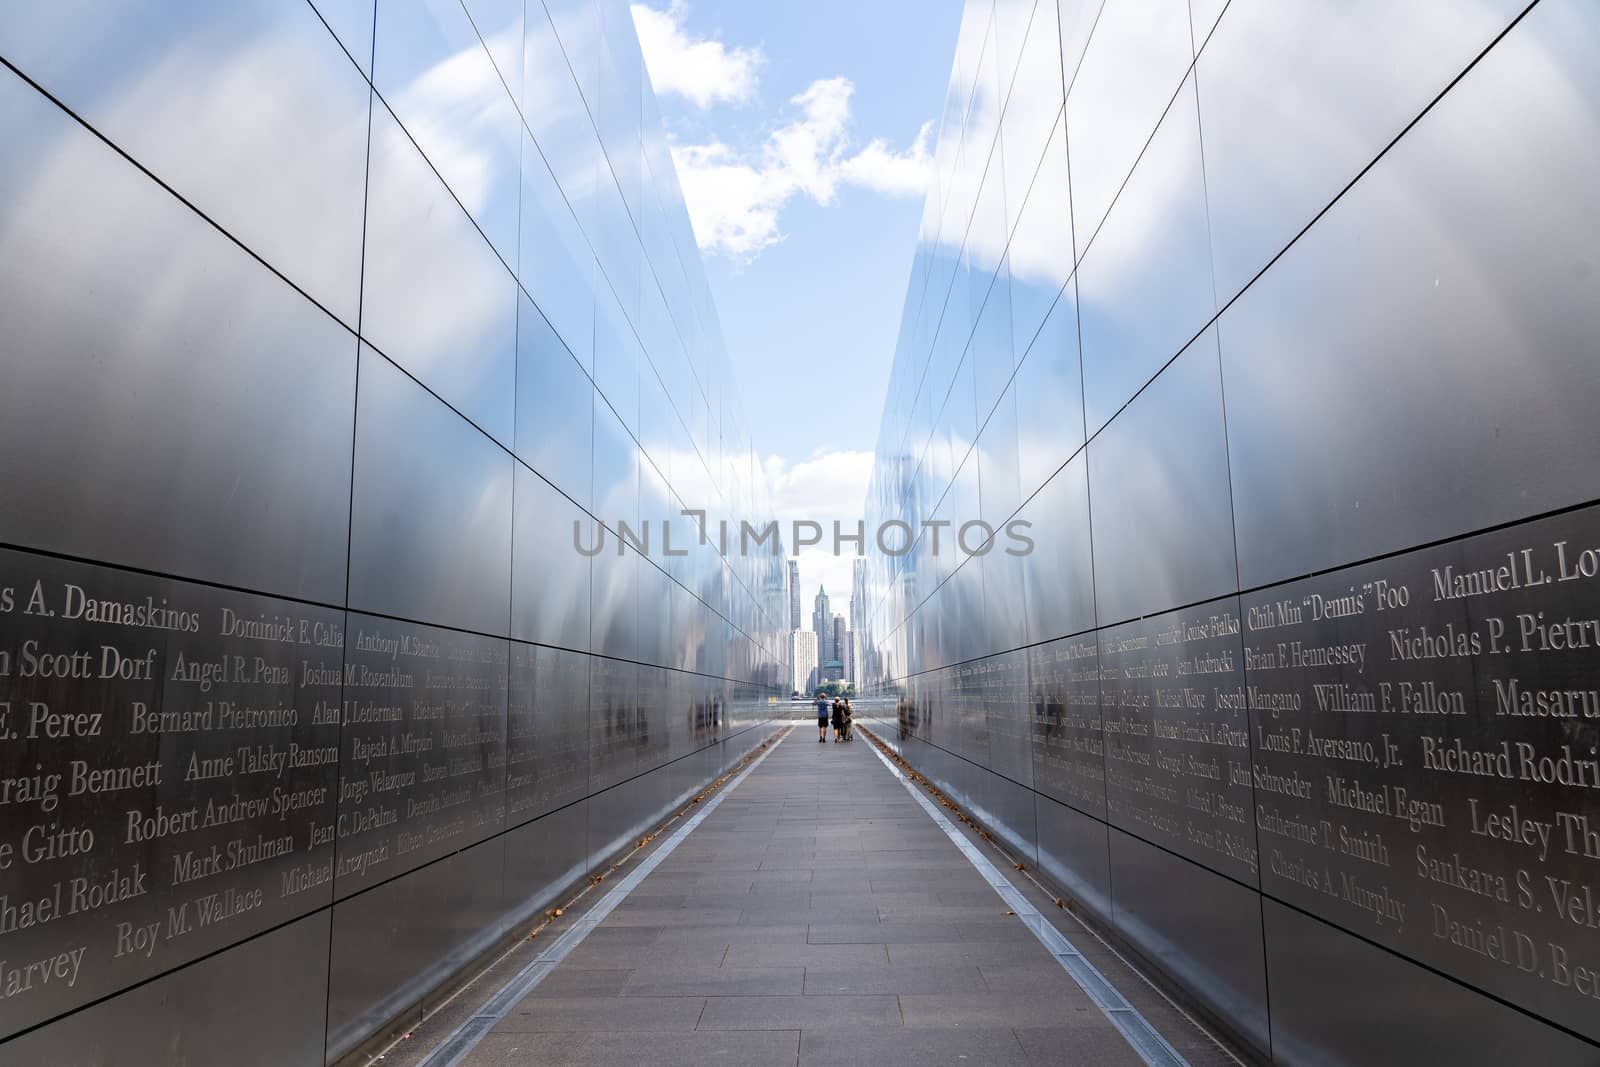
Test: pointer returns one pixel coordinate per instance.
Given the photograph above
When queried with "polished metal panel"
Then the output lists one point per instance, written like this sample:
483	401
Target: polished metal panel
351	23
555	263
1008	807
435	297
616	360
206	784
1295	102
170	773
170	84
614	619
655	613
998	559
616	473
620	814
1033	106
1058	571
430	530
422	764
562	725
555	110
1076	19
98	348
1427	722
432	69
500	24
1388	1011
619	725
577	25
1158	482
1177	741
394	943
555	409
1462	255
544	858
1073	854
1198	926
1144	285
1203	15
188	1016
1049	392
550	575
1069	757
1135	62
1040	255
990	354
1397	749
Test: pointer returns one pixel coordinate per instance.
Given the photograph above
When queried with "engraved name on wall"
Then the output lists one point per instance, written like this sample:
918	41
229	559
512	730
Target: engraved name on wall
1427	741
169	757
424	754
1177	755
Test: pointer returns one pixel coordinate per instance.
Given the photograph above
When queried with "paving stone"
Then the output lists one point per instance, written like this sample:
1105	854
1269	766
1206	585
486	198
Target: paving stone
845	913
798	1012
835	957
675	917
603	1014
992	910
1027	977
569	981
734	934
892	979
878	933
1060	1046
710	981
780	933
954	953
589	956
736	1048
999	1009
987	1047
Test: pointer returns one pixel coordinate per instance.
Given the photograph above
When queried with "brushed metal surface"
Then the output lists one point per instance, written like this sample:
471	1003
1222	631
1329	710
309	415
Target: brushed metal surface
99	349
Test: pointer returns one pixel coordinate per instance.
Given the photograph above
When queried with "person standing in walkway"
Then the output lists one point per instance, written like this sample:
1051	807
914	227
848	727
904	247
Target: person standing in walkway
847	714
822	717
838	719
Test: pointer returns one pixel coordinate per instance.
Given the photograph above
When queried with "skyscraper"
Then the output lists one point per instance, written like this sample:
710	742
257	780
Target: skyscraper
858	622
841	646
803	660
794	595
822	626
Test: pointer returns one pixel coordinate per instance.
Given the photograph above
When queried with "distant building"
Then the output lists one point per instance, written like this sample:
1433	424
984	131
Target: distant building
803	660
794	595
855	673
840	643
822	626
832	671
858	595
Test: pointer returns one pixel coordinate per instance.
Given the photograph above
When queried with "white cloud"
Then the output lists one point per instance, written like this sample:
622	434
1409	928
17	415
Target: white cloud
880	168
827	487
736	199
700	69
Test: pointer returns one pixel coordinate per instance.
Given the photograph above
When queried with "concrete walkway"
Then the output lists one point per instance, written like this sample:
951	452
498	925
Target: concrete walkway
818	916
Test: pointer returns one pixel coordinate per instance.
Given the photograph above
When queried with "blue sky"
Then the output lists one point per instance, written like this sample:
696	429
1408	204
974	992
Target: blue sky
798	133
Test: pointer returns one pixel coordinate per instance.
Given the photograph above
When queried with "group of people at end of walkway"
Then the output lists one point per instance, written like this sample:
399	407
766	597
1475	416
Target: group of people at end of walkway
840	717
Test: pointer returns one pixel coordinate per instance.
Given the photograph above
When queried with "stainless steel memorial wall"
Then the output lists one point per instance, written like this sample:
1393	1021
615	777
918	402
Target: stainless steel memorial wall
328	333
1277	324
